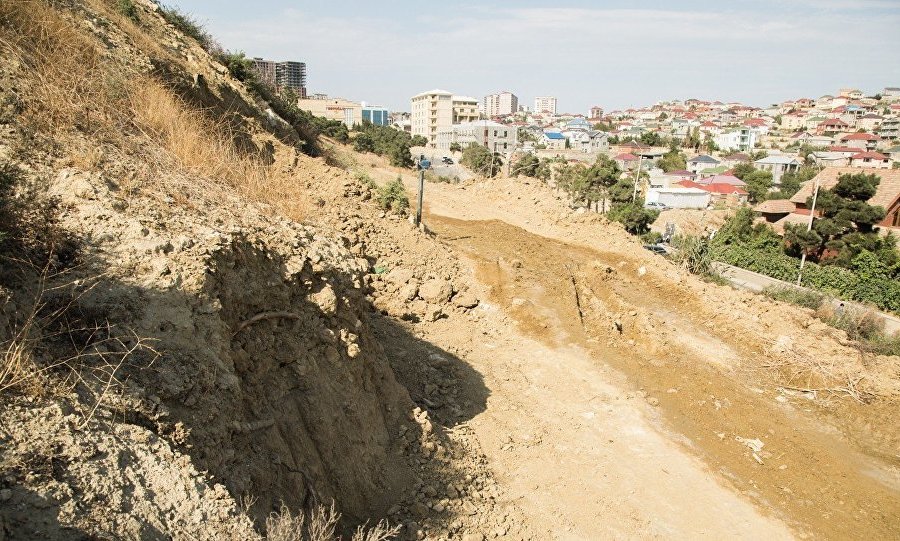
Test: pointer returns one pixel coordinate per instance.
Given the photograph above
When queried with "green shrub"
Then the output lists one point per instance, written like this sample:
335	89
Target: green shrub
188	26
800	297
844	283
392	197
128	9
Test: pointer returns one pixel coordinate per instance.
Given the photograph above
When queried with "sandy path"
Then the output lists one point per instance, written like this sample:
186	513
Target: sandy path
584	459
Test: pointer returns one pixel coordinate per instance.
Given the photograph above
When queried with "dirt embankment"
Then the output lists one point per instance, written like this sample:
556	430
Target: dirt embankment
203	358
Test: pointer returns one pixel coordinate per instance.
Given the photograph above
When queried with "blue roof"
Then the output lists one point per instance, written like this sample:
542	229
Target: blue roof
554	135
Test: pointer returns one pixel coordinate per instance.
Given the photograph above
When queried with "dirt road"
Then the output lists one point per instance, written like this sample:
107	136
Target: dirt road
620	408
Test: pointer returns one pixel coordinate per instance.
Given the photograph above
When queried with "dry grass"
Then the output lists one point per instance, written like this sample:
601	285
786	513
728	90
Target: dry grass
18	371
68	86
202	147
319	525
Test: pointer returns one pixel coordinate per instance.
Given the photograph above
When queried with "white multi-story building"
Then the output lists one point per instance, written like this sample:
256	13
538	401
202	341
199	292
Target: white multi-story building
431	112
437	110
492	135
545	104
742	139
504	103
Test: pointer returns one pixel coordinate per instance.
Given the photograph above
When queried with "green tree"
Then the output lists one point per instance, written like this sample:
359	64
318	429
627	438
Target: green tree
791	182
848	221
758	184
364	143
481	161
741	170
400	155
673	160
418	141
527	166
455	147
651	138
633	217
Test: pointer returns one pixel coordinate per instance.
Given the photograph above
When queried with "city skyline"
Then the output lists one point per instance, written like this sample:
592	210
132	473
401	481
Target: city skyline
617	57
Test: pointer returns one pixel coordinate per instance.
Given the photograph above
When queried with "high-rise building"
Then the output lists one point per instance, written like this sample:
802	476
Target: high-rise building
290	74
265	70
545	104
436	110
287	74
503	103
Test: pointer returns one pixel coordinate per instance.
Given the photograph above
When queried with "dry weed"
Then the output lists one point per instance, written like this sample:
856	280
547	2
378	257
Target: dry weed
67	82
320	525
202	147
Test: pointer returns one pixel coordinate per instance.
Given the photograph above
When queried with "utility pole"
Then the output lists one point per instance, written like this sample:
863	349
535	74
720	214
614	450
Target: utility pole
637	175
422	164
812	213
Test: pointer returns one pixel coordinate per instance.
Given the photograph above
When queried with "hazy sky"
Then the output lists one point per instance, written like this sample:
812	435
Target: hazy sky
614	54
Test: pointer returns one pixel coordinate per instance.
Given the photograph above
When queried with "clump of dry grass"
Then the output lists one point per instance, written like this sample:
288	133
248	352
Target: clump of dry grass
18	371
319	525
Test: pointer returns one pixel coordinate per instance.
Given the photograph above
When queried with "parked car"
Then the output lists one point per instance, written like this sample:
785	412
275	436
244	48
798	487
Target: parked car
656	205
447	160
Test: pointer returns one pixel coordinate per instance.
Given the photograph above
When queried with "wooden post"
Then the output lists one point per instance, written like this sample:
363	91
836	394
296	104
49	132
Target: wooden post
420	196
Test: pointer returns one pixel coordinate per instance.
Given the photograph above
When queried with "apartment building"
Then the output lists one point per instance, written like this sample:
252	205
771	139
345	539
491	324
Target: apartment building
504	103
436	111
346	111
545	104
492	135
465	109
286	74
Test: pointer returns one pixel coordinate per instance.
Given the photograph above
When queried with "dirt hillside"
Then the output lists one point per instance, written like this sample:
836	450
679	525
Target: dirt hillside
212	327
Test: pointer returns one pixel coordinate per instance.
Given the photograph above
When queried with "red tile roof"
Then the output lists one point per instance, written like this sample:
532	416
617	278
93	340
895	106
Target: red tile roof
626	157
842	148
871	155
860	137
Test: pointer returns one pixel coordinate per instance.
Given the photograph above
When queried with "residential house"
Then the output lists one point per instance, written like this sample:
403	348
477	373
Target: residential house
890	128
870	159
828	158
861	141
793	121
626	161
701	162
832	126
736	158
774	210
743	138
679	197
890	93
869	122
778	165
346	111
492	135
722	179
553	140
725	193
893	153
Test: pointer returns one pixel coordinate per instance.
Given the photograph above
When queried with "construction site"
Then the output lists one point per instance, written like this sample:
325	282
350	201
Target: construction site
207	333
